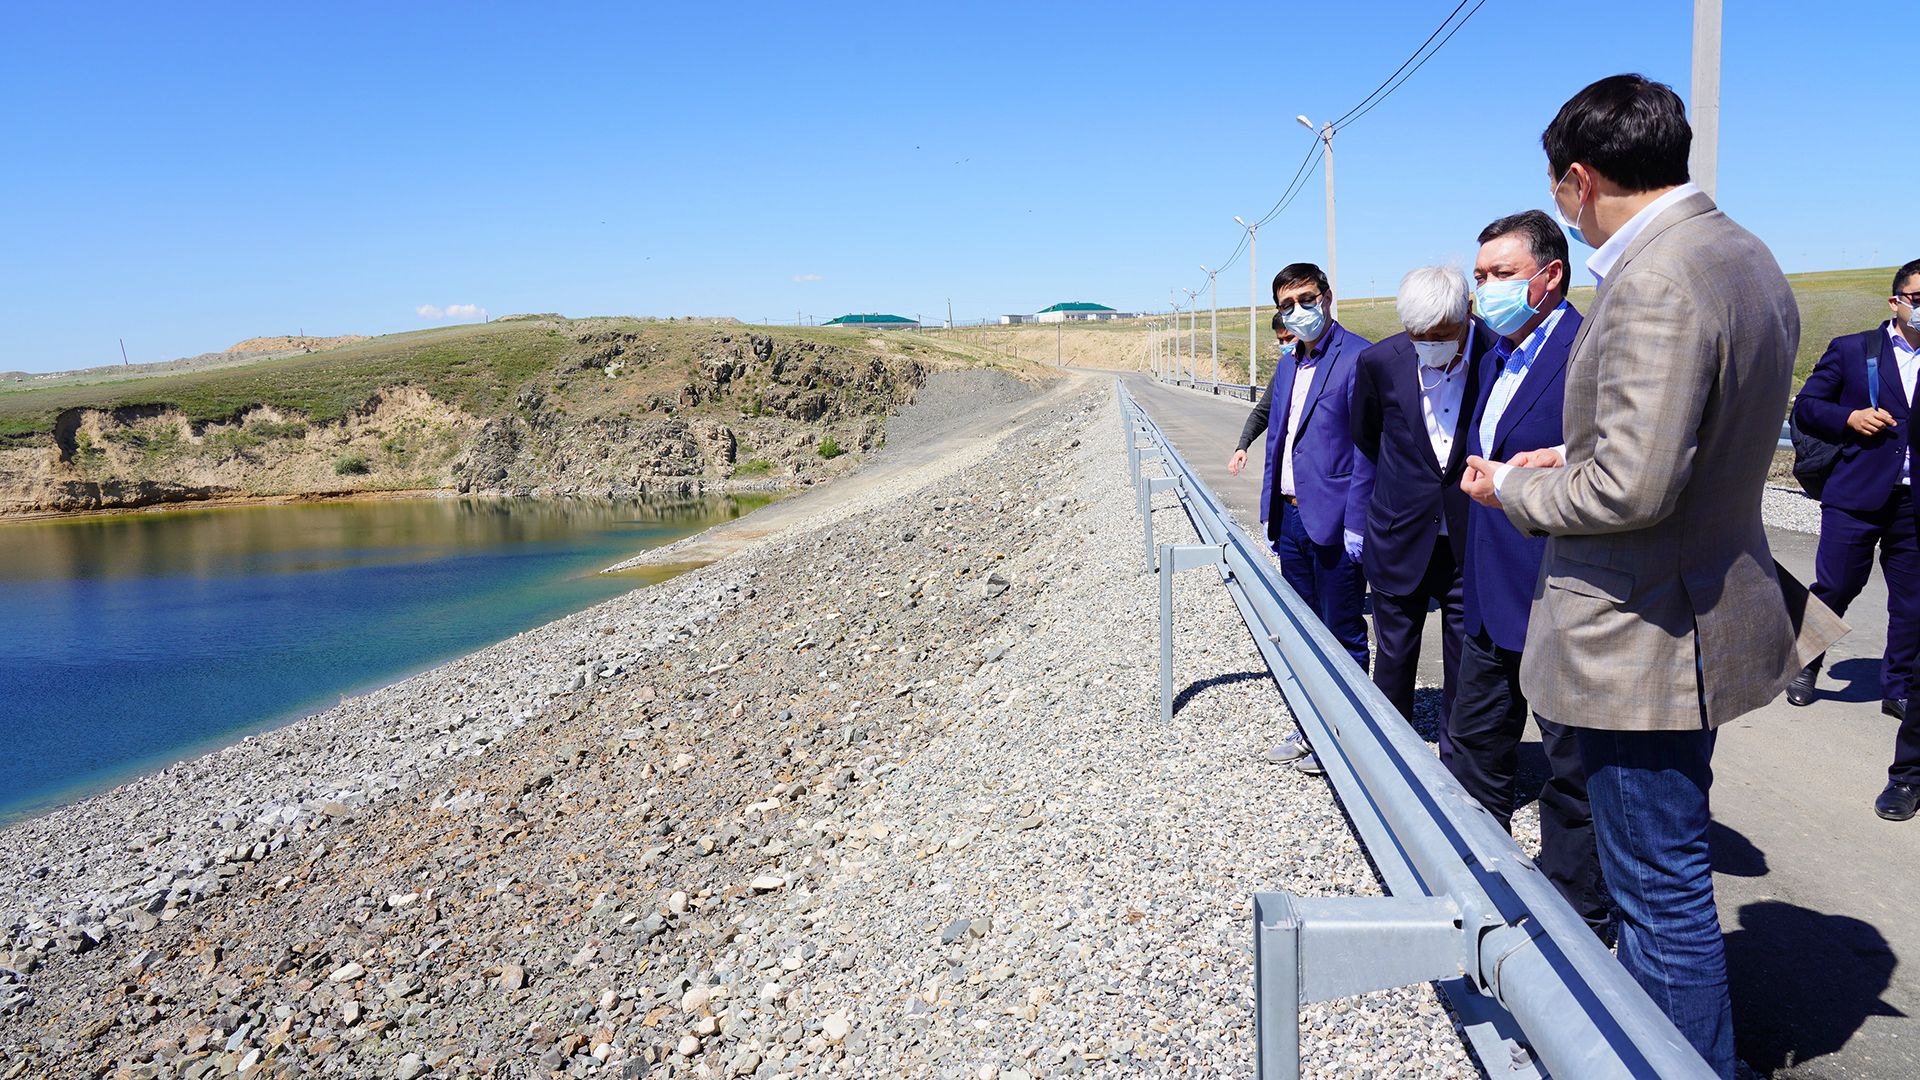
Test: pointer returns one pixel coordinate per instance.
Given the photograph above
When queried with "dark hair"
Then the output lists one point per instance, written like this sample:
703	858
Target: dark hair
1628	128
1905	272
1543	236
1294	273
1278	323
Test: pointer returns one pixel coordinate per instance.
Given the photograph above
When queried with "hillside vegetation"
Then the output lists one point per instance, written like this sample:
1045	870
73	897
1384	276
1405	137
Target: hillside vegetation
531	405
1832	303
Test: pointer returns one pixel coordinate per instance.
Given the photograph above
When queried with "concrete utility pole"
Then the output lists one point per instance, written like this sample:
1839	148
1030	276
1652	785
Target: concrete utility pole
1213	328
1193	333
1333	260
1705	158
1253	298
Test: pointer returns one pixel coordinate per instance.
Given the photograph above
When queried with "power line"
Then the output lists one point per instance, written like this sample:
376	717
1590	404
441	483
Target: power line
1310	162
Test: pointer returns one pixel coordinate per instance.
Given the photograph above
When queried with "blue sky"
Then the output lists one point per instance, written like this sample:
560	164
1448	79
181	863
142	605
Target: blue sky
185	176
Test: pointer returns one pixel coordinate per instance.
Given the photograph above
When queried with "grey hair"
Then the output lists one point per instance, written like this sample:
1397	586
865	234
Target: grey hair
1432	297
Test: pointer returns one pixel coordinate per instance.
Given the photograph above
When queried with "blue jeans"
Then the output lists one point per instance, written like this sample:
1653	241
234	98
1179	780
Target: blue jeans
1649	795
1333	585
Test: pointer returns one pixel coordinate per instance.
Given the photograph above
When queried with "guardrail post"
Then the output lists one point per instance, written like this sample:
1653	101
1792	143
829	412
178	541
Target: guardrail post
1150	487
1319	949
1173	559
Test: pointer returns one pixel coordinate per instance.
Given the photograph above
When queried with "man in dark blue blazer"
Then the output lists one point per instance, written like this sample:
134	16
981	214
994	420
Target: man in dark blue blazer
1521	272
1310	503
1868	502
1412	399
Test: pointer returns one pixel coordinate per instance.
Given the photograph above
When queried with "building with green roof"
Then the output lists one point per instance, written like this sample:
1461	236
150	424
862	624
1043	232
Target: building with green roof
875	322
1078	311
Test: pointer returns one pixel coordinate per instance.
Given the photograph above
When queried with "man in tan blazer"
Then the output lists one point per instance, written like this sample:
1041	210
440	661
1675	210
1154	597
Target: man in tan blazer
1660	613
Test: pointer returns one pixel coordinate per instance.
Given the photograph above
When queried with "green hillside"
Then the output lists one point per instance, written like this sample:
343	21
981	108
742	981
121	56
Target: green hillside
478	368
1832	303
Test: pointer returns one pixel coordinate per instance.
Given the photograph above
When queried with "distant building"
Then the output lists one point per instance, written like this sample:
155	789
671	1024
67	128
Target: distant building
875	322
1079	311
1015	320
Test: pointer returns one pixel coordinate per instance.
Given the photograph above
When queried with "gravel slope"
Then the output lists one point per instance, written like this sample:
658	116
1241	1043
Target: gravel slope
886	795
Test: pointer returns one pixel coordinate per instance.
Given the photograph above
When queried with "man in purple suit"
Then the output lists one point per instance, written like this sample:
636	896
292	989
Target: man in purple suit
1312	506
1860	395
1521	274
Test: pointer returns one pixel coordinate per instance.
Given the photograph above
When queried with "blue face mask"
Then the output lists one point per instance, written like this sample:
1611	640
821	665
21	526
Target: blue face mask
1573	228
1503	306
1306	321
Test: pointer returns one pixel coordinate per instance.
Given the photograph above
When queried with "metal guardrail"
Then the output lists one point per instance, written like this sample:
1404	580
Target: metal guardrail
1537	993
1227	389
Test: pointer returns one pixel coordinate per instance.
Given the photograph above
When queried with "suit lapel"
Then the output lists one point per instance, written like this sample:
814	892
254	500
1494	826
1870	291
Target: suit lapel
1321	368
1463	425
1892	387
1540	375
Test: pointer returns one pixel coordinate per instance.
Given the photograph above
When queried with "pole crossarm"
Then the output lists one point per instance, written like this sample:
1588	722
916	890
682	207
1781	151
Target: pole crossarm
1537	994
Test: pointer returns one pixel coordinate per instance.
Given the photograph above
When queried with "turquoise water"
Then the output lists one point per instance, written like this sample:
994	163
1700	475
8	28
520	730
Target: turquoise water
130	641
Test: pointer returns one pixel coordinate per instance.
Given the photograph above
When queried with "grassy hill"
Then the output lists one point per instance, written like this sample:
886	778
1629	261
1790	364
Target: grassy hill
540	404
1832	303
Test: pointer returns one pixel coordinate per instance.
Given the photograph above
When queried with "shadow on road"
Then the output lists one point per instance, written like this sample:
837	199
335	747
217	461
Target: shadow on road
1860	677
1803	981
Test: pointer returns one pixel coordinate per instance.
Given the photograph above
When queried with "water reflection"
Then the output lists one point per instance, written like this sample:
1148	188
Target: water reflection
133	639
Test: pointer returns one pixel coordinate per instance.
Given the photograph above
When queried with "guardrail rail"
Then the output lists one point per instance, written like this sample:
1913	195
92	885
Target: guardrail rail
1536	992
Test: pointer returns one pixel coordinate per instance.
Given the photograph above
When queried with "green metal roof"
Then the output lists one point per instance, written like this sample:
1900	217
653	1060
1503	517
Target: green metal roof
1077	305
854	320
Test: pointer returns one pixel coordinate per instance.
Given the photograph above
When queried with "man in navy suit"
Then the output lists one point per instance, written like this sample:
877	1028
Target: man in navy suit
1412	397
1868	502
1310	502
1521	272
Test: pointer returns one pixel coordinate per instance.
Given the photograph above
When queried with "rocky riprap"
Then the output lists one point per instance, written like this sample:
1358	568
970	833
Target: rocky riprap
887	795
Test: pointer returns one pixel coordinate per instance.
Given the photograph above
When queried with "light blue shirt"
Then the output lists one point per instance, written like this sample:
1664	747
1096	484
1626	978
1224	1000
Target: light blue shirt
1507	384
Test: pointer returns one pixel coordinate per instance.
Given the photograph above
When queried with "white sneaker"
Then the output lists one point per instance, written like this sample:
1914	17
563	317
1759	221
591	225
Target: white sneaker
1311	765
1291	749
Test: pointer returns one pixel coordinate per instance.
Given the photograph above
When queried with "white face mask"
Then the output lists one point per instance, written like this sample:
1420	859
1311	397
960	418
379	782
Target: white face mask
1436	354
1913	317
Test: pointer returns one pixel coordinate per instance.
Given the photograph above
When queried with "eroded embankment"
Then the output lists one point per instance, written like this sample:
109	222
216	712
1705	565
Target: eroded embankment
885	795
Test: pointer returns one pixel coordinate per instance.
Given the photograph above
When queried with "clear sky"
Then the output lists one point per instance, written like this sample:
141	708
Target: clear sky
185	176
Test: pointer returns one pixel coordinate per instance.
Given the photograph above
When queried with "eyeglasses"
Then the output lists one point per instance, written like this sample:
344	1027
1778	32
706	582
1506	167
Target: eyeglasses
1286	306
1911	299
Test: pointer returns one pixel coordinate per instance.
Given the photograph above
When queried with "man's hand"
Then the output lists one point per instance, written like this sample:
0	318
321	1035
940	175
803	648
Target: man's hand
1355	543
1237	462
1477	482
1543	458
1870	421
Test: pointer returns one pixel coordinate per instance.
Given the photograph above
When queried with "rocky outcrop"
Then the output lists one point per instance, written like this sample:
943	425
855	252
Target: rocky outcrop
623	410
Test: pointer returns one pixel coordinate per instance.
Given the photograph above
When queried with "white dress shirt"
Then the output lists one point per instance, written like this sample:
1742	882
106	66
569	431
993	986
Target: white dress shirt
1440	405
1909	360
1603	260
1302	382
1514	372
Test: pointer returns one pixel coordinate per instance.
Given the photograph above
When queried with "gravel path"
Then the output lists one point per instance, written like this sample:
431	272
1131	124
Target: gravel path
884	795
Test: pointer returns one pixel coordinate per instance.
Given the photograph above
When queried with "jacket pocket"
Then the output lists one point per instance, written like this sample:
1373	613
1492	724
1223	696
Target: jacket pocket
1586	579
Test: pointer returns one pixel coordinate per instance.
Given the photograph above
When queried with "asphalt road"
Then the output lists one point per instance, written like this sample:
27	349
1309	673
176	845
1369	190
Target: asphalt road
1820	898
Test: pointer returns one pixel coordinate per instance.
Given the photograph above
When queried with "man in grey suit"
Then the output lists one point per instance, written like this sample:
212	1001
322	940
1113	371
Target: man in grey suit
1660	613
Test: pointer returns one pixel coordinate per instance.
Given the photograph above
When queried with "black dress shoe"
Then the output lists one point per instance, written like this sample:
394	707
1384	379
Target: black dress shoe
1895	707
1801	691
1898	802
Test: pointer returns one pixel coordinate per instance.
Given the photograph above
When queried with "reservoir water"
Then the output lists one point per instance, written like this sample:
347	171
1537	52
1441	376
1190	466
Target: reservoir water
130	641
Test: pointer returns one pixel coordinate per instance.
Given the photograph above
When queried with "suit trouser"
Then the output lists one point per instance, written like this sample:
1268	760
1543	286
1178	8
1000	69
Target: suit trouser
1650	816
1400	621
1488	719
1331	584
1847	542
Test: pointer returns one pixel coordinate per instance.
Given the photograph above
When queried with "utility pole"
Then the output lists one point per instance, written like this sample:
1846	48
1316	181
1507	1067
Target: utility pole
1253	298
1193	333
1213	325
1333	260
949	312
1059	330
124	362
1705	163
